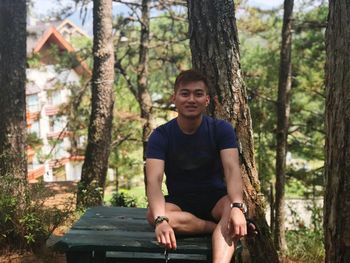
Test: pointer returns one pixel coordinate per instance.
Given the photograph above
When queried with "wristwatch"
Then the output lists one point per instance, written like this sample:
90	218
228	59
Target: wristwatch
241	206
160	219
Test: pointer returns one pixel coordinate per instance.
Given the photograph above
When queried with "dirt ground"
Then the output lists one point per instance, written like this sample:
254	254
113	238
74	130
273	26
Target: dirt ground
60	194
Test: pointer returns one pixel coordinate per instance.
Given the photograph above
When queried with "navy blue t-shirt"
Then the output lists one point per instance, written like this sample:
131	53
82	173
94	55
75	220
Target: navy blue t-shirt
192	162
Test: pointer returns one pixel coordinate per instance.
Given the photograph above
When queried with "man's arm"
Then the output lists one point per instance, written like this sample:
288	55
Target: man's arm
230	163
154	174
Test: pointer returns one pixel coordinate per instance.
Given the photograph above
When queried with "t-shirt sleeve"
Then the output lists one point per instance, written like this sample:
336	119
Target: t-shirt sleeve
156	146
226	135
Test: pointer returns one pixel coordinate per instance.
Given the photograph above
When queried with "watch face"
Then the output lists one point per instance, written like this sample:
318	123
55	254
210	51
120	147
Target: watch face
244	208
241	206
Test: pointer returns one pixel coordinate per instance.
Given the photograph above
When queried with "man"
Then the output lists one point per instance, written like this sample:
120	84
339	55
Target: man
200	159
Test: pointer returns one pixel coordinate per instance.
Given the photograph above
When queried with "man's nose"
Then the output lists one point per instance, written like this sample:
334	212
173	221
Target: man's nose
191	97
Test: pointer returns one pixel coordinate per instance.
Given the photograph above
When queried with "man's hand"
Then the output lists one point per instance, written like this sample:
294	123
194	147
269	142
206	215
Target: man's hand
237	224
165	235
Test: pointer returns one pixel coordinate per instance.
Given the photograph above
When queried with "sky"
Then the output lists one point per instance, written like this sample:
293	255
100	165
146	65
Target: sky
44	7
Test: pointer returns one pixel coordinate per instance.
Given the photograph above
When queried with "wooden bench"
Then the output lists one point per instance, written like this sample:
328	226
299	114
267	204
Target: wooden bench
119	234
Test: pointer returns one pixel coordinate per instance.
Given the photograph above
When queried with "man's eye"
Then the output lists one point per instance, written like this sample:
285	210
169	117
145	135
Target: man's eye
184	93
199	94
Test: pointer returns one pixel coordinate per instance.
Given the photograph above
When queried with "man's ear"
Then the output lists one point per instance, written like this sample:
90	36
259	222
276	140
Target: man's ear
207	100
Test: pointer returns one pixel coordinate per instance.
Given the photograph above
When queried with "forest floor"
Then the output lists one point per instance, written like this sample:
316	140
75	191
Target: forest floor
61	193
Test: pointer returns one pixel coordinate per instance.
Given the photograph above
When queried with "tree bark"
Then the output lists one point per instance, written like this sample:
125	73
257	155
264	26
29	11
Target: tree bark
13	37
337	163
143	96
215	52
283	110
91	187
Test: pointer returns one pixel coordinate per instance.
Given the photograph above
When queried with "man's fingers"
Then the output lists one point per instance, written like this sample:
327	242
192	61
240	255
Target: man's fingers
167	240
173	240
251	227
238	230
163	240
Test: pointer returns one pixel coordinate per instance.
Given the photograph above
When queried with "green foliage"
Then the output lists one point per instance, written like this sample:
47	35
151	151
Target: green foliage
168	52
123	198
90	195
25	222
34	60
260	62
306	244
77	112
33	140
260	54
126	148
83	46
295	188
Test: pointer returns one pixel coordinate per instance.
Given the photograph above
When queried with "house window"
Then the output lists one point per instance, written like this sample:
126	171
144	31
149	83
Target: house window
57	124
59	173
33	103
54	97
35	128
59	151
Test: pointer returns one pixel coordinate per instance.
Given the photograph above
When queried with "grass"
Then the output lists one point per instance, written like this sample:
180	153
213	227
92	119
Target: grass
305	245
137	192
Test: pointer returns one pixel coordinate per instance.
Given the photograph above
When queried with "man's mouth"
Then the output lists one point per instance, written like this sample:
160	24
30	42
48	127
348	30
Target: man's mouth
191	107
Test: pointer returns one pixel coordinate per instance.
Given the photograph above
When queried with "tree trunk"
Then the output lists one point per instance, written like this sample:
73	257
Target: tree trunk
91	187
13	37
283	109
215	52
143	96
337	163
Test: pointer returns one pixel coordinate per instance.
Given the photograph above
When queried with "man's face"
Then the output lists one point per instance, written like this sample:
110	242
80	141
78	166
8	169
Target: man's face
191	99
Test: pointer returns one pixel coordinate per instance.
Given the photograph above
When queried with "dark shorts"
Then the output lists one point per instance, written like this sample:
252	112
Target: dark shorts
198	204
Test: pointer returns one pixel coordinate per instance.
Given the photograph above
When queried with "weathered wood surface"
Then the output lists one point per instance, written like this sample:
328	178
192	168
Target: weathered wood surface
120	229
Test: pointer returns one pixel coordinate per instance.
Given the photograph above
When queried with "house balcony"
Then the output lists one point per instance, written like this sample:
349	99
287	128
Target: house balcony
30	154
31	117
51	110
58	135
35	173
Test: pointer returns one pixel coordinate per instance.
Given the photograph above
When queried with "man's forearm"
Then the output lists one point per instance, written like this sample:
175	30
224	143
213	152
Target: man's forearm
235	195
232	172
156	201
235	186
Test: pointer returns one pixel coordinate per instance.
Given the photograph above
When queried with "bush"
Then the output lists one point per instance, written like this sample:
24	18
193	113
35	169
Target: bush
306	244
25	223
124	199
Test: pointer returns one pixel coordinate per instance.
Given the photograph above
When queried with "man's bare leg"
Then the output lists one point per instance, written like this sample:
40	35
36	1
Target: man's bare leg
222	242
184	222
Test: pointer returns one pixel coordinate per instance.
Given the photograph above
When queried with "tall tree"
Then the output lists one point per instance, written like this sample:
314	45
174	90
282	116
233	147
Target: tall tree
141	90
143	94
13	161
91	187
337	165
283	110
215	52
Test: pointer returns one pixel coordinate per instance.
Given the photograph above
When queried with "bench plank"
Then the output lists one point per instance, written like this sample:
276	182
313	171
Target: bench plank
120	229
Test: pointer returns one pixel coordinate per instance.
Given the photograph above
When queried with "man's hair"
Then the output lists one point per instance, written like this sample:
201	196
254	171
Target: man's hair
188	76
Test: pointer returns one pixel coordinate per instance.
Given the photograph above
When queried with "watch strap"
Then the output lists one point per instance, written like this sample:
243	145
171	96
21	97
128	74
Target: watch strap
160	219
240	206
